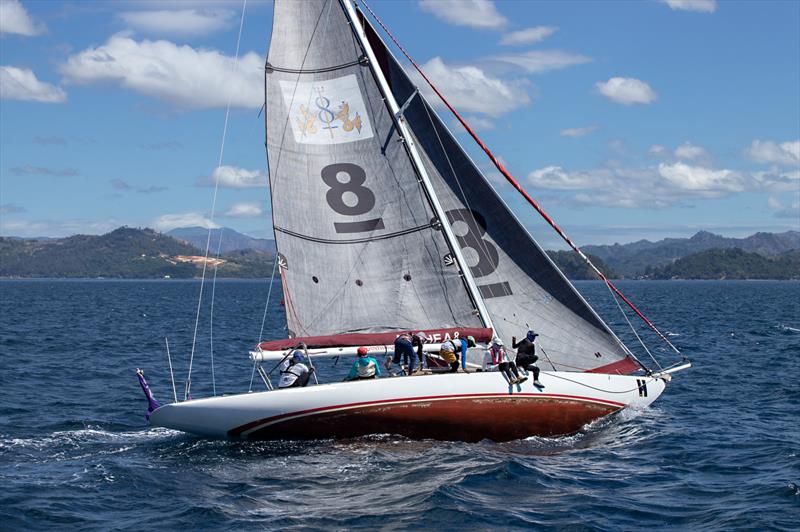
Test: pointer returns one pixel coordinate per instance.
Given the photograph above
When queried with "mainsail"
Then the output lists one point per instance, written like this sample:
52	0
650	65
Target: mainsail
360	249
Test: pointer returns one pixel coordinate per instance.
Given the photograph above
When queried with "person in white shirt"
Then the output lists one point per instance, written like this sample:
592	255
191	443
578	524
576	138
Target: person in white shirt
294	372
496	359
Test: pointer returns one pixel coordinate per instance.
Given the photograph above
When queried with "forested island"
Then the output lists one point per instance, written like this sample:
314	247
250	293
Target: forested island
132	253
125	253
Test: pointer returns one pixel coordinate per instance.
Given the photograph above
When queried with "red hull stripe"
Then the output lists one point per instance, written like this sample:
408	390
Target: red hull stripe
386	338
269	420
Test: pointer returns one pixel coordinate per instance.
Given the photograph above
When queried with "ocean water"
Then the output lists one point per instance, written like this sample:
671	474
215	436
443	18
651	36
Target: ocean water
718	451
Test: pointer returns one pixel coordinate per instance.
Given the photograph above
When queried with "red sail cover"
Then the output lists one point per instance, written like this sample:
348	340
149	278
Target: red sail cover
385	338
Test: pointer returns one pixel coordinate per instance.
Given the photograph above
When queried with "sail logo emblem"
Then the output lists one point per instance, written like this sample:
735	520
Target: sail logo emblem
326	112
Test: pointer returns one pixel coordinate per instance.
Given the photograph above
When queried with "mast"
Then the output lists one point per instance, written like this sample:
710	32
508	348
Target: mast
402	127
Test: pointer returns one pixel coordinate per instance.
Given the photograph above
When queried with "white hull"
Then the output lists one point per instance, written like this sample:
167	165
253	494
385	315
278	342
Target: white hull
467	407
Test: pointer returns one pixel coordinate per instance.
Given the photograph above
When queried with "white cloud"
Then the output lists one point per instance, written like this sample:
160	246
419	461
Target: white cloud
657	187
234	177
627	91
691	152
473	13
537	61
22	84
14	19
179	21
701	180
767	151
168	222
469	88
777	180
578	131
528	35
656	150
703	6
477	123
182	75
555	177
245	209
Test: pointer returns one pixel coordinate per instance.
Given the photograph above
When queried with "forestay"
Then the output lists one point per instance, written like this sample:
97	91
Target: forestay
359	247
519	283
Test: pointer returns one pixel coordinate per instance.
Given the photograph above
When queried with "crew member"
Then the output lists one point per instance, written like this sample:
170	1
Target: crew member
365	367
404	346
496	359
447	352
294	372
460	346
526	355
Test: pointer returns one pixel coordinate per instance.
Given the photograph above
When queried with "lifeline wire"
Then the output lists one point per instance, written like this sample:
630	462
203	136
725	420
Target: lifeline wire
213	208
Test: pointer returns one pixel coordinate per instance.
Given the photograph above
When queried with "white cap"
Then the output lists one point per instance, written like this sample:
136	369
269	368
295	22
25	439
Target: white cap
497	341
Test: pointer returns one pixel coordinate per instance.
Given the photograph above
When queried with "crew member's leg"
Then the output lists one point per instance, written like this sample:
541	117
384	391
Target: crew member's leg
513	368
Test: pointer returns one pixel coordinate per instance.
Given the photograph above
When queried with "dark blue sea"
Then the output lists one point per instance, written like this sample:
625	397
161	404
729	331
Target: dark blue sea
719	451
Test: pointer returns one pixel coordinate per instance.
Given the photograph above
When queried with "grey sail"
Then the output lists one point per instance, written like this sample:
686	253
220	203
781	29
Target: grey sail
358	247
518	282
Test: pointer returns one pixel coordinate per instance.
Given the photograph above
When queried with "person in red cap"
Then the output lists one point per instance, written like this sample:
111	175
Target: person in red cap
366	367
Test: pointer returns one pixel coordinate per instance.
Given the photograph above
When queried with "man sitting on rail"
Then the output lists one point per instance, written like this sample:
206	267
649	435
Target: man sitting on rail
294	372
496	359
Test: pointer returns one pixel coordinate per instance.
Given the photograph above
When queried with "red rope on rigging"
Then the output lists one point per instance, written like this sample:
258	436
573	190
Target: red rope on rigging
516	184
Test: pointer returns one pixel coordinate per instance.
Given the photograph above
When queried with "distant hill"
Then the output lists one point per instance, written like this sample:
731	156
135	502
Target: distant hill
631	260
732	263
143	253
576	269
126	252
232	240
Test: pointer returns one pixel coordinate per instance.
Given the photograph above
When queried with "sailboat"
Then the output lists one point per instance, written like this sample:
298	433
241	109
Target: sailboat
384	225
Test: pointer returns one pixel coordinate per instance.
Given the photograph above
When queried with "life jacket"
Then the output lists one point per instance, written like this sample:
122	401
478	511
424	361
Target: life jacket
366	367
447	351
290	375
498	355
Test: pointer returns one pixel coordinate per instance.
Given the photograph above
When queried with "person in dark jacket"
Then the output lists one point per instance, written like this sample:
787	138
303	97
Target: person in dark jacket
404	346
526	355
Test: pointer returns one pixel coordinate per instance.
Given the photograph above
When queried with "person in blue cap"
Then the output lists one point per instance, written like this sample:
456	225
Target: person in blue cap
526	355
294	372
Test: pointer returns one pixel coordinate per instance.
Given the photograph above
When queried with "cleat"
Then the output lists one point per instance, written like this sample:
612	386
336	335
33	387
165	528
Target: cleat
538	384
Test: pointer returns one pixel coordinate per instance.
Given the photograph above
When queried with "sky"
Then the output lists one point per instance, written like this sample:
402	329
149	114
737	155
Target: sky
625	120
